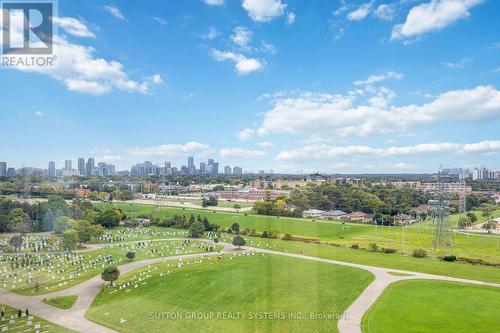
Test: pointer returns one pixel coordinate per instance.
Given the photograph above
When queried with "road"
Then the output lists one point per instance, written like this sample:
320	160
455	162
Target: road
74	318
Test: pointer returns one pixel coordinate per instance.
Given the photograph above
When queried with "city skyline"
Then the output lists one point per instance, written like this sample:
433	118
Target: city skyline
89	167
425	94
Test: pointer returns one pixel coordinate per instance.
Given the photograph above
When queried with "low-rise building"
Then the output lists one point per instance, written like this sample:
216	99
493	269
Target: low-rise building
357	216
403	219
333	215
313	213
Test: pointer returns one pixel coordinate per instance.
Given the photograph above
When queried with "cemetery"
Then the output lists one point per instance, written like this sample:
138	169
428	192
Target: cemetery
41	273
18	321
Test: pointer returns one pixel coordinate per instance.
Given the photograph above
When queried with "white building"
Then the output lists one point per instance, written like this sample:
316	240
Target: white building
313	213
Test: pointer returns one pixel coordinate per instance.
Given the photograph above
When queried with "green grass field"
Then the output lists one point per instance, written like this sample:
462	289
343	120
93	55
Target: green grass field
68	271
417	236
250	287
20	324
379	259
421	306
61	302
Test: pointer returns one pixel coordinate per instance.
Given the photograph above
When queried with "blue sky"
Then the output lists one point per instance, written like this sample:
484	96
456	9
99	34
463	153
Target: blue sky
330	86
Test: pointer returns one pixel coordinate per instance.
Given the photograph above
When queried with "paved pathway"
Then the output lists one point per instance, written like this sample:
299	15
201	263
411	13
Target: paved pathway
74	318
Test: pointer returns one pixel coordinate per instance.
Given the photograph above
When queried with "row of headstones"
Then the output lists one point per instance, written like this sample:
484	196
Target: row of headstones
19	321
73	259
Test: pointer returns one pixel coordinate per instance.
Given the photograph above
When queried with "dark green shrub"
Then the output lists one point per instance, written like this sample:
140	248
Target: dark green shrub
389	250
450	258
373	247
355	246
419	253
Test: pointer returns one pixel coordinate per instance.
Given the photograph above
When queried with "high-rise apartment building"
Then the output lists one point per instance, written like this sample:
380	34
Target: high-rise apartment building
68	165
3	169
90	166
52	169
227	170
81	166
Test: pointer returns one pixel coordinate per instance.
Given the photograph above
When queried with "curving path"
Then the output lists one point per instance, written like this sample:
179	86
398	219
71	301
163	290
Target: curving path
74	318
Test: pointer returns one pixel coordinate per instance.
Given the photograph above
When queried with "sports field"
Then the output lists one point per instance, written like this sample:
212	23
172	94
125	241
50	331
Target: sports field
486	247
246	293
434	306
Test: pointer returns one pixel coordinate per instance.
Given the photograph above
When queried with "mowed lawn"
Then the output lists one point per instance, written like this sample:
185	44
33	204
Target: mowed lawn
249	287
420	306
416	236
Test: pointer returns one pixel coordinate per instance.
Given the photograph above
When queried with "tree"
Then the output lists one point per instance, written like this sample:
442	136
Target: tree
487	210
61	224
238	241
210	201
16	241
16	218
206	224
235	228
69	240
489	226
97	231
130	255
84	230
109	219
191	219
196	229
110	274
472	217
463	222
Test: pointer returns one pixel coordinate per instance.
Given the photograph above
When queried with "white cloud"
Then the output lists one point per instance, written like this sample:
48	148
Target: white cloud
211	34
113	10
246	134
39	114
268	48
323	116
110	158
242	36
378	78
241	153
100	150
79	68
160	20
342	9
324	152
290	18
456	65
214	2
73	27
360	13
384	12
81	71
170	149
243	65
156	79
264	10
432	16
265	144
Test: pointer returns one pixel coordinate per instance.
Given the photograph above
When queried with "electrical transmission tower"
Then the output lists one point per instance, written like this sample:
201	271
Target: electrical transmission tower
440	218
27	184
462	197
